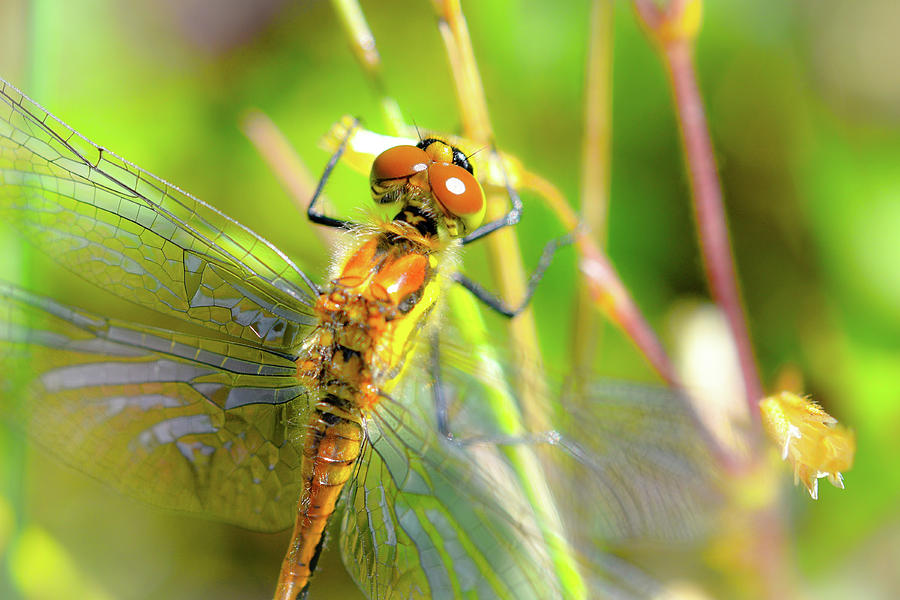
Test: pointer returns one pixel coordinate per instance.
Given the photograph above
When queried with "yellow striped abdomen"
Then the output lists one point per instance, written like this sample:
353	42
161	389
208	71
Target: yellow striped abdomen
367	318
330	450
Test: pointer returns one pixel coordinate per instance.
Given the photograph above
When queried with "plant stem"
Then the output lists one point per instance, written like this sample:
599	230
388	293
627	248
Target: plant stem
674	31
709	211
764	566
605	289
502	245
362	42
595	172
503	248
289	168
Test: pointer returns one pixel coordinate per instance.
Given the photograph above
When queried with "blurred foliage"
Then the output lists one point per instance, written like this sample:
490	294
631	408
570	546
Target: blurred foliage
802	100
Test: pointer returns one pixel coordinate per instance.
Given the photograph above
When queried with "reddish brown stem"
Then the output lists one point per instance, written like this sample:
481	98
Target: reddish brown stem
602	283
708	209
607	290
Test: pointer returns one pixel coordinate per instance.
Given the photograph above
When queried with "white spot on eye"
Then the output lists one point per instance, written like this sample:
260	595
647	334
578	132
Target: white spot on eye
455	185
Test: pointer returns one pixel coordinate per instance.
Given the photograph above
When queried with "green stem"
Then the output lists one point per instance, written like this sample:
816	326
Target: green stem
504	409
595	171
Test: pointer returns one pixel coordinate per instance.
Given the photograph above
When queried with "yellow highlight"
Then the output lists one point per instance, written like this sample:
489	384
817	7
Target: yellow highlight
43	570
683	24
809	438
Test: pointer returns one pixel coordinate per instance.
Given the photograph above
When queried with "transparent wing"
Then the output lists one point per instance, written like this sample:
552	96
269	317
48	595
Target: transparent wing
639	460
428	518
142	238
637	456
425	518
182	422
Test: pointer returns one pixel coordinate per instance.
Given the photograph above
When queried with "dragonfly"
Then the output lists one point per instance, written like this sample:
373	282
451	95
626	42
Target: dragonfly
282	400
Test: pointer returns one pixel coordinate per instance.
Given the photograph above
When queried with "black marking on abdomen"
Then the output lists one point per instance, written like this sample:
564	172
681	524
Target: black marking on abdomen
315	558
347	353
337	402
331	418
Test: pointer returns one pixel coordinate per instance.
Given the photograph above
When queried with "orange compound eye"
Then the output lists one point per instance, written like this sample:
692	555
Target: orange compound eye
458	192
399	162
456	189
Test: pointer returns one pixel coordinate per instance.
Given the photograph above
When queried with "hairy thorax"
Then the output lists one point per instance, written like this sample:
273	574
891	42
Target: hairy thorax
368	316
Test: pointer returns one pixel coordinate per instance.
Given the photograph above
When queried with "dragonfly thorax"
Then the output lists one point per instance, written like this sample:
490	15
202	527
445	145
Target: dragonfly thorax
373	309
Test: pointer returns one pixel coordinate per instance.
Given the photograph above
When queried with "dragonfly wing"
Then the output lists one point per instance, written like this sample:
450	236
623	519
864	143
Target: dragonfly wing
183	422
141	238
637	455
426	518
640	460
629	465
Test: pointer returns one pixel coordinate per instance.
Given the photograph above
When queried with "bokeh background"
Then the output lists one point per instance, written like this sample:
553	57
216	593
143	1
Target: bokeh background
803	100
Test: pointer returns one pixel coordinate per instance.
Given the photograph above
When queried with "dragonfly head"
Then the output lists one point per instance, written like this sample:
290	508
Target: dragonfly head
432	169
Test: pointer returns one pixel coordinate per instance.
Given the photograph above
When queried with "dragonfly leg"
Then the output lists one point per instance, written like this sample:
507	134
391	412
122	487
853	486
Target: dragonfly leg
314	215
495	302
507	220
442	415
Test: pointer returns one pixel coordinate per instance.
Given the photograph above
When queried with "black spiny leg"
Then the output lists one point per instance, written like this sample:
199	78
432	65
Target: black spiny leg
495	302
311	212
509	219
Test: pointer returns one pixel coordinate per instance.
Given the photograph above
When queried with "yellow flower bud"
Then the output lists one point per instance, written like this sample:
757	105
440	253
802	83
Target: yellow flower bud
809	438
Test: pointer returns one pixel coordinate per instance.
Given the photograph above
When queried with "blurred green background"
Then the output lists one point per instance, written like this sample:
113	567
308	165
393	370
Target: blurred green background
804	106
